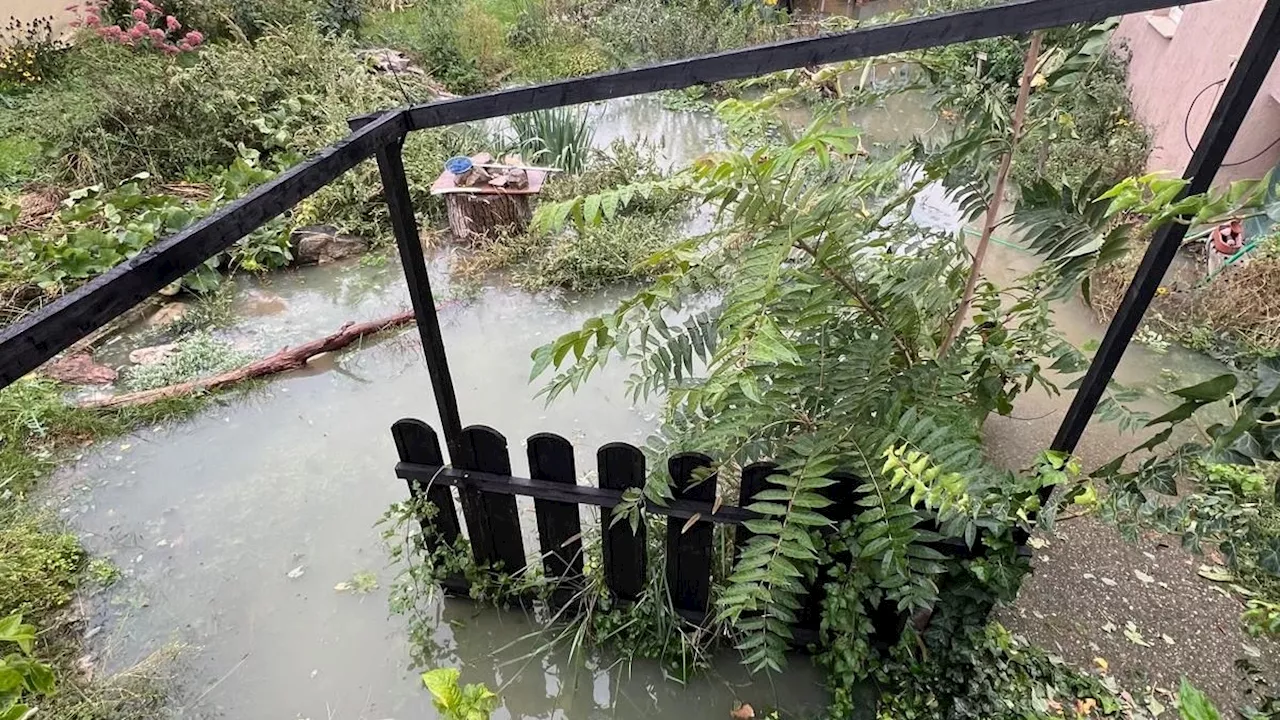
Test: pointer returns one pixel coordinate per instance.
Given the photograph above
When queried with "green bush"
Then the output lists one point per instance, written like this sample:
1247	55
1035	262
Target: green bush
121	113
38	567
198	355
429	32
634	31
600	255
1095	130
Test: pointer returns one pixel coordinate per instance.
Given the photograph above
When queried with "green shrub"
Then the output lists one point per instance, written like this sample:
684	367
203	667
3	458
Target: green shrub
1095	130
38	567
336	17
482	40
644	30
121	113
600	255
429	33
198	355
242	20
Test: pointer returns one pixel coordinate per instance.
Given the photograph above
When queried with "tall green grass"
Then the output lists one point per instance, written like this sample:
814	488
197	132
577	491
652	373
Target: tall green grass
558	137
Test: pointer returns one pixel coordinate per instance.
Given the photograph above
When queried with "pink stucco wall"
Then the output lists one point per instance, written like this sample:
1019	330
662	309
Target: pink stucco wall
1166	74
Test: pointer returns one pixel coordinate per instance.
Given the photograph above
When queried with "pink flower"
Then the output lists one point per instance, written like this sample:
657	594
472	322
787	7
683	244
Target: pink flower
169	49
139	14
184	46
194	37
113	30
157	35
136	33
92	20
172	23
148	6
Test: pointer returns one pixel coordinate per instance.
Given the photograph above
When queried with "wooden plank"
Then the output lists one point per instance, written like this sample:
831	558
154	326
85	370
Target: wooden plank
1010	18
754	479
26	344
492	520
395	189
559	527
1237	98
417	442
621	466
689	545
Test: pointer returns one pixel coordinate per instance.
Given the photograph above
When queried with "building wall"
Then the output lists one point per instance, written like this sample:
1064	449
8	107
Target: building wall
1167	73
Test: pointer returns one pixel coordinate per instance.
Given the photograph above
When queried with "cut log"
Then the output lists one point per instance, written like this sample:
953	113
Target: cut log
286	359
474	215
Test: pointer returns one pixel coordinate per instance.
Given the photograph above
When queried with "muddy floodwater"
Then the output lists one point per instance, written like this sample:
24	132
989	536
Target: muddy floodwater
233	527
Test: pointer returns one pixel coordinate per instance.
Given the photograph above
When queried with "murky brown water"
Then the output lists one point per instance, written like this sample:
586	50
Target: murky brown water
209	517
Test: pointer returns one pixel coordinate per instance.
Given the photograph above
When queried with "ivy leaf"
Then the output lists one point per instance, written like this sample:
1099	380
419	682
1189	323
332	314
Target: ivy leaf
1269	557
1209	390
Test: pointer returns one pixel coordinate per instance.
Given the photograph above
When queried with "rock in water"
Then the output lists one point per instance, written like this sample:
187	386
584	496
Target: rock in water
320	244
79	369
168	314
152	355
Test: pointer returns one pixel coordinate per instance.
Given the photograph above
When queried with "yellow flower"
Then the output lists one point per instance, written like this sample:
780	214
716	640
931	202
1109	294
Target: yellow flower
1162	290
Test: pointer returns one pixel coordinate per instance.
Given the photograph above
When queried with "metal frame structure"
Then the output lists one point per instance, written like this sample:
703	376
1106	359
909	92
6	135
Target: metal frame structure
26	344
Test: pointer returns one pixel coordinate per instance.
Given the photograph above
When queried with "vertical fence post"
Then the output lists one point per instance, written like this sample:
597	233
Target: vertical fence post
395	188
621	467
493	522
689	551
559	526
416	442
1237	97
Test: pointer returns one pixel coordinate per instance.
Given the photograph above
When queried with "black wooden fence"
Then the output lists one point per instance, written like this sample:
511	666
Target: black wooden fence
487	490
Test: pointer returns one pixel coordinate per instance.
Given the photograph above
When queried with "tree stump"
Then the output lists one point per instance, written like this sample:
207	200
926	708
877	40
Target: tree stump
475	215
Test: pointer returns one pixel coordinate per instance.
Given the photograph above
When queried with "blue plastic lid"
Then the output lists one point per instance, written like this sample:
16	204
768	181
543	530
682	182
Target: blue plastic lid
458	164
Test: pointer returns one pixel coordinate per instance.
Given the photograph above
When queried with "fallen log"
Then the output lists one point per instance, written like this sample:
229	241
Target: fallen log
286	358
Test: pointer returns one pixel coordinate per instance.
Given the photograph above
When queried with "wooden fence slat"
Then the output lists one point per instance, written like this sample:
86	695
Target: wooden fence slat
621	466
754	479
559	526
417	442
492	519
689	551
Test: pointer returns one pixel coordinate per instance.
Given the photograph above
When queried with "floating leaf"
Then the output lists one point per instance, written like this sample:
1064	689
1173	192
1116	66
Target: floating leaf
1216	574
1132	635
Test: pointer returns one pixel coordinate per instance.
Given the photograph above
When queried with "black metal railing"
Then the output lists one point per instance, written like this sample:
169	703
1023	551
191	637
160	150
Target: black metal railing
26	344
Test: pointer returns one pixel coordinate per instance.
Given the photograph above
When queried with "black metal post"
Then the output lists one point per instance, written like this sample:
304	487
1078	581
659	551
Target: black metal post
1238	96
395	188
